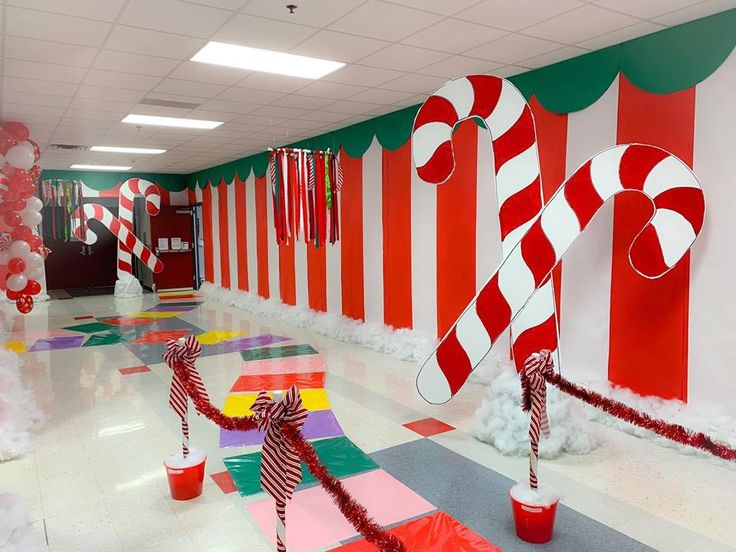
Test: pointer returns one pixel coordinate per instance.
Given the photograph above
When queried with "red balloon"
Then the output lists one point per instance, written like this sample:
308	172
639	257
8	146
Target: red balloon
35	242
12	295
36	149
16	265
17	130
32	288
10	196
18	179
12	220
29	190
24	304
22	232
7	141
18	205
35	172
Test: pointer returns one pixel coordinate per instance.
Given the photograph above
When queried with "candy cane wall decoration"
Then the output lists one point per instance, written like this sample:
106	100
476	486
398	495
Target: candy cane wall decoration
679	209
518	183
125	236
130	189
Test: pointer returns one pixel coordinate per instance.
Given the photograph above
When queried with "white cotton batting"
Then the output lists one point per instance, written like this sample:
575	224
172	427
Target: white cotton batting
18	411
179	461
15	532
128	287
542	496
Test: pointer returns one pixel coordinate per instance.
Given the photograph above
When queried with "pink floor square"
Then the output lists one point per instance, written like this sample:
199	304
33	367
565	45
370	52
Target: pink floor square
429	427
314	522
134	370
224	481
288	365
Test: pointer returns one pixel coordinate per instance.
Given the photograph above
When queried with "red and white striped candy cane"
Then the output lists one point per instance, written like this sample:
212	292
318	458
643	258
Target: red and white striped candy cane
509	119
98	212
130	189
679	208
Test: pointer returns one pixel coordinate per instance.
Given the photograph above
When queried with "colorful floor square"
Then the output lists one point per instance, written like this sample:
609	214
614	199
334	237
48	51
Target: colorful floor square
340	455
251	342
239	404
303	380
153	314
91	327
278	352
15	346
319	425
126	321
213	337
429	427
57	343
171	308
293	365
160	336
105	339
134	370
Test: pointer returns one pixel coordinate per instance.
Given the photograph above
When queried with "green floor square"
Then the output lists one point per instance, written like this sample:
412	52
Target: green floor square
340	455
277	352
105	339
92	327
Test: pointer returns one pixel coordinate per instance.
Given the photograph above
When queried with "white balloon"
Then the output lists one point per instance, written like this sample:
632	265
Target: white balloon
33	260
33	204
5	258
31	219
21	156
19	248
17	282
35	274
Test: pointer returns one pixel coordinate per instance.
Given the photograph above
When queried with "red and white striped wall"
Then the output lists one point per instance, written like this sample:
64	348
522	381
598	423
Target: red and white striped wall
412	254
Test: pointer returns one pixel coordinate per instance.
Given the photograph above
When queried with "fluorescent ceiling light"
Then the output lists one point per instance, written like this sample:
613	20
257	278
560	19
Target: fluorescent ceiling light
170	121
267	61
115	149
99	167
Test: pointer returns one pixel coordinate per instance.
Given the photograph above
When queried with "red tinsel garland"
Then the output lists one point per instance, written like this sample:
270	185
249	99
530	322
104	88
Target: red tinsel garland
674	432
354	512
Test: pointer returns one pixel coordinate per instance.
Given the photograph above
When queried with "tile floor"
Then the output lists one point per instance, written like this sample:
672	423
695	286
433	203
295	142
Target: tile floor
96	482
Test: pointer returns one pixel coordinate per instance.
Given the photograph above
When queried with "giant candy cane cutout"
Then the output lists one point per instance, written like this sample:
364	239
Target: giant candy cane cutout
518	183
679	209
125	236
128	191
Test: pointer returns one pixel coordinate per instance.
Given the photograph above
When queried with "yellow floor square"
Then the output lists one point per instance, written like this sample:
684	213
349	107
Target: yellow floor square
239	404
15	346
217	336
149	314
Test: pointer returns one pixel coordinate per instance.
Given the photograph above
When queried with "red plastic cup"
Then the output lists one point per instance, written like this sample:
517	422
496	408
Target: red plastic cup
534	524
185	483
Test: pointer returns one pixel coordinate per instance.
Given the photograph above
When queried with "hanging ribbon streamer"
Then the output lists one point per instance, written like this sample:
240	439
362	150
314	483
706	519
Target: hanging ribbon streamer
61	198
304	189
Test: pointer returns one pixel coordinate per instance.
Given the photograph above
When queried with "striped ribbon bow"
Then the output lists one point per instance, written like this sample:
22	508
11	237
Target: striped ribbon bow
534	400
281	469
185	355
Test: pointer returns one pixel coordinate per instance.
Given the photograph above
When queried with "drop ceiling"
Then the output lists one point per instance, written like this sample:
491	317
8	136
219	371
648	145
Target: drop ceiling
72	69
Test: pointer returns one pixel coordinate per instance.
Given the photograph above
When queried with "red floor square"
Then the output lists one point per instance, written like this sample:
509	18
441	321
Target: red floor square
128	321
428	427
160	336
134	370
85	317
224	481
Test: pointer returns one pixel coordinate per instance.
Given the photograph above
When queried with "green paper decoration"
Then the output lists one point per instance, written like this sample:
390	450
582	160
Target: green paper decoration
92	327
265	353
100	181
105	339
340	455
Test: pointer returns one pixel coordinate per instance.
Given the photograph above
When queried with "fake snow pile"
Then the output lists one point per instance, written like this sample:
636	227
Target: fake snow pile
501	422
179	461
18	411
400	344
15	533
128	287
542	496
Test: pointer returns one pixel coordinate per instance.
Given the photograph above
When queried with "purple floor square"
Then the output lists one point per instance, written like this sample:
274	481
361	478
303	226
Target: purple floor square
319	424
55	343
170	308
251	342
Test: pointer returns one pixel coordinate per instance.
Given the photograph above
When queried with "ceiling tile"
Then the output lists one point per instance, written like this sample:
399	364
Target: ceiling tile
334	90
350	107
35	99
621	35
417	84
143	41
273	83
303	102
454	36
254	119
279	111
160	110
13	84
210	115
338	46
566	52
233	5
405	58
377	19
697	11
363	75
107	93
197	100
301	124
31	69
580	24
516	15
106	10
98	104
113	79
412	100
134	63
237	94
42	25
648	9
174	17
444	7
316	13
254	31
11	110
90	114
458	66
48	52
513	48
228	107
509	71
205	72
189	88
381	96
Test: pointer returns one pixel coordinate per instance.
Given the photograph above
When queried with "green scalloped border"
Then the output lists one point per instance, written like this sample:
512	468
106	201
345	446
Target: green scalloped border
100	181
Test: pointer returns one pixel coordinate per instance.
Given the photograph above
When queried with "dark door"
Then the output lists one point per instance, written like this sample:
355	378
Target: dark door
178	272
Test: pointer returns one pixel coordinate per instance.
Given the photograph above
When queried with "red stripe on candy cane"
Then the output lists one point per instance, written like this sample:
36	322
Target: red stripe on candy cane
130	189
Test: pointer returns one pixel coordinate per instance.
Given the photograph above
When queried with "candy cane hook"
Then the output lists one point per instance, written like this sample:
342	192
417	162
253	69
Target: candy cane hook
98	212
679	209
510	122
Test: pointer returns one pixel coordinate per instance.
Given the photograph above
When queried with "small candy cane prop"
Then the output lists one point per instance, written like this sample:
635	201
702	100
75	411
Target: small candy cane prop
534	400
509	119
98	212
130	189
679	208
